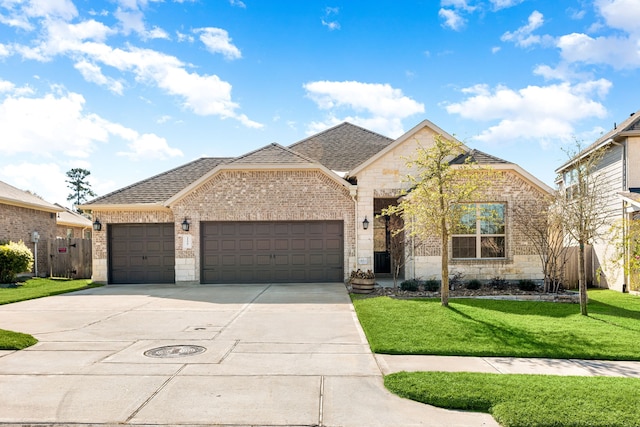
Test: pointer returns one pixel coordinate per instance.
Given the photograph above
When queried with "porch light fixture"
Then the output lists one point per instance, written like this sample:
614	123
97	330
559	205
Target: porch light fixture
185	225
365	223
97	225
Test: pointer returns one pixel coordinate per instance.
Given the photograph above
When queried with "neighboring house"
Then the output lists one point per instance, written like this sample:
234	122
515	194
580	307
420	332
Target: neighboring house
72	225
293	214
619	168
25	216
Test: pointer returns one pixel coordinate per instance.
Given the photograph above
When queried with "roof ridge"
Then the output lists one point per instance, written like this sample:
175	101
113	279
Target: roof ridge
120	190
499	159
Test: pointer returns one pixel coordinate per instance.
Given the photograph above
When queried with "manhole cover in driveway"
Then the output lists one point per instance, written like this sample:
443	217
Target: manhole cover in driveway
175	351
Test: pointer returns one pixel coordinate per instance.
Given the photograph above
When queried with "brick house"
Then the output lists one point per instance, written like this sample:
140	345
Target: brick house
291	214
21	215
619	175
72	225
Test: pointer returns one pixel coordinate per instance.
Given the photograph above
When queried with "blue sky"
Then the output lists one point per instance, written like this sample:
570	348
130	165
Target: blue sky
131	88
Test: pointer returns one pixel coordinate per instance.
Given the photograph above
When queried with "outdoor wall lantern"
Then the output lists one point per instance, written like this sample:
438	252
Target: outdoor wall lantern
365	223
97	225
185	225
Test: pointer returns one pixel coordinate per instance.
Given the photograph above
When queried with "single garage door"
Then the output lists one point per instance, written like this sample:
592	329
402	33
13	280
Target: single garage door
141	253
272	252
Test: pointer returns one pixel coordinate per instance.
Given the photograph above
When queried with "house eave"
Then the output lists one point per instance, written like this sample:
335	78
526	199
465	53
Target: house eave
28	205
125	207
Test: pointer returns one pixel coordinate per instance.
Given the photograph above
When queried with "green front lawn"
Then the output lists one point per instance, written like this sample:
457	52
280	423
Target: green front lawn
474	327
527	400
478	327
38	287
34	288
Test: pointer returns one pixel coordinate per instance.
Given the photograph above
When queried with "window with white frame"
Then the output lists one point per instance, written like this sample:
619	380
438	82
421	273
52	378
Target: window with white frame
480	232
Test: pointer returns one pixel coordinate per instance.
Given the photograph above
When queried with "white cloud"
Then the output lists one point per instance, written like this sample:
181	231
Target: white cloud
57	123
385	106
93	73
504	4
238	3
528	114
149	147
523	36
618	52
452	19
621	14
331	25
4	50
217	40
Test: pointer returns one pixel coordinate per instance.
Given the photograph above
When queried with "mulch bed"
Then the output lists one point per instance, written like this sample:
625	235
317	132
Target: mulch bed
510	291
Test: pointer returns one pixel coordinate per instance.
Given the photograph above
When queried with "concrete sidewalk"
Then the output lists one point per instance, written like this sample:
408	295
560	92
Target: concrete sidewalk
272	355
508	365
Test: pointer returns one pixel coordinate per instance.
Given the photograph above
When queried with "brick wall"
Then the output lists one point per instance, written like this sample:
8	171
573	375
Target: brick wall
17	223
297	195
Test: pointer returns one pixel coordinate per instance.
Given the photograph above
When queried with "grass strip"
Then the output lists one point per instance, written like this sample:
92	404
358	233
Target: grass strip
40	287
527	400
479	327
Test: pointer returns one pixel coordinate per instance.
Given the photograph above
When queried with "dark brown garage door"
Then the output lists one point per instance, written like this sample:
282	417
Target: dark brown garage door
272	252
141	253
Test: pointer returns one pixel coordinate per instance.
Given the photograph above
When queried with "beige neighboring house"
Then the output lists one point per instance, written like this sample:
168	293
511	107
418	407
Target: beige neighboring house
25	216
619	169
72	225
302	213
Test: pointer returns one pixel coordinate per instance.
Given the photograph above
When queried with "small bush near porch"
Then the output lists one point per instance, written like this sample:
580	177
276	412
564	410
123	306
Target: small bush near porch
478	327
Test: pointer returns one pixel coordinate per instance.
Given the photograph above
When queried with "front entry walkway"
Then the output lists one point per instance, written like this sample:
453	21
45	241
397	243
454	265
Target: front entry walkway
272	355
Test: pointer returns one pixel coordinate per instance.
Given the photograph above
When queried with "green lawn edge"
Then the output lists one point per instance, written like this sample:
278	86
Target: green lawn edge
519	400
32	289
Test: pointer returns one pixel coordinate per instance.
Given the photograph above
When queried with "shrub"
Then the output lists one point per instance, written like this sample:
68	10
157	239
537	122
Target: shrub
410	285
474	284
527	285
432	285
499	283
15	258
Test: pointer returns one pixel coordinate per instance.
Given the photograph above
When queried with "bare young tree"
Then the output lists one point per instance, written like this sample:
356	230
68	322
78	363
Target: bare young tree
542	224
581	204
439	192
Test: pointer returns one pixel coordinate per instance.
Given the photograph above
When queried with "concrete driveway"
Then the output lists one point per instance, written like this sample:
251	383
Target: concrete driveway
274	355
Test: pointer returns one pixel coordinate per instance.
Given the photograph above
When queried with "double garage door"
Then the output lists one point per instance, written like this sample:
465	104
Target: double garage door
231	252
272	252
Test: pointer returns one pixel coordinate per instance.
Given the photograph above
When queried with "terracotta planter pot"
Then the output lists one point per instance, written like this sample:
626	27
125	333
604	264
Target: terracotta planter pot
362	286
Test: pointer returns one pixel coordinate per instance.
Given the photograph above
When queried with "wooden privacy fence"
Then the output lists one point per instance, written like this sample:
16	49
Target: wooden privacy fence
571	267
69	258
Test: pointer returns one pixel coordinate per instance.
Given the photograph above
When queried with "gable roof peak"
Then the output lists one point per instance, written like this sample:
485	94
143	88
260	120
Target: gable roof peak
273	153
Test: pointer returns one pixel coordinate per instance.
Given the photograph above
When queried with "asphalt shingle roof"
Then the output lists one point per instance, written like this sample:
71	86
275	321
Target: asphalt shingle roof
162	187
12	195
478	157
342	147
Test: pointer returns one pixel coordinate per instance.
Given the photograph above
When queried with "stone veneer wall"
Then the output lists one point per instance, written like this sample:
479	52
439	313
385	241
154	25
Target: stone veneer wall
99	238
17	223
521	261
261	195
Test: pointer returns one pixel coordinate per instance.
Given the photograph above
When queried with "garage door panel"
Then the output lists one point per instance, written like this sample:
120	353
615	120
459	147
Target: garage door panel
141	253
298	251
